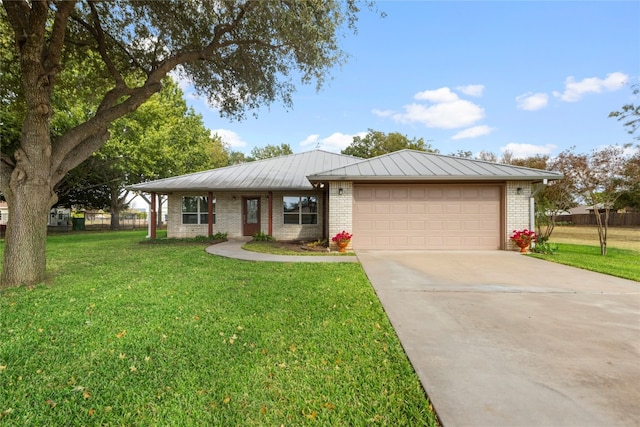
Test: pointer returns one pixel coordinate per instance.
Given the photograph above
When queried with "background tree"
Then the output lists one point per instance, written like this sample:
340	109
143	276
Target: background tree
162	138
630	197
629	114
240	55
269	151
487	156
466	154
376	143
555	198
598	179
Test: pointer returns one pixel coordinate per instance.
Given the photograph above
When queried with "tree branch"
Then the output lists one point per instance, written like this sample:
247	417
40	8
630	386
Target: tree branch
109	110
77	155
56	41
102	47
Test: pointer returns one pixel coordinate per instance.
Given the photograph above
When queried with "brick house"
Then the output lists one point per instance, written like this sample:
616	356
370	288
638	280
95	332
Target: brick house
402	200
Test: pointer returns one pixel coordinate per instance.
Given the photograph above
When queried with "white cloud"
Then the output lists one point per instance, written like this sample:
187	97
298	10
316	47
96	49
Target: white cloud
575	89
438	96
229	137
335	142
179	76
532	101
382	113
445	115
310	140
442	109
528	150
471	90
473	132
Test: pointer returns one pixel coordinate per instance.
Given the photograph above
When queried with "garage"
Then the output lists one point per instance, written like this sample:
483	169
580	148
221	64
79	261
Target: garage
427	216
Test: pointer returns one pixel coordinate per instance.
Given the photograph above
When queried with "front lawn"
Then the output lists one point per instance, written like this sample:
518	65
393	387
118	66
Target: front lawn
131	334
623	263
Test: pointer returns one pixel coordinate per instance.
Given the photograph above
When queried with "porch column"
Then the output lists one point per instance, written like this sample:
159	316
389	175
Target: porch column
154	224
270	214
210	209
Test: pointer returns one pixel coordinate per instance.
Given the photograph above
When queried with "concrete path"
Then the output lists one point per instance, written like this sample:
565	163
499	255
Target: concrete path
500	339
233	249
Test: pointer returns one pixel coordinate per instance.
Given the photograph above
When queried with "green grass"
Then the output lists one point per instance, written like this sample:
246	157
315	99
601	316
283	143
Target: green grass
623	263
131	334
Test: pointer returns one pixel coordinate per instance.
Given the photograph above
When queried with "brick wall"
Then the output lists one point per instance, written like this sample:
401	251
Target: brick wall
517	209
229	217
340	210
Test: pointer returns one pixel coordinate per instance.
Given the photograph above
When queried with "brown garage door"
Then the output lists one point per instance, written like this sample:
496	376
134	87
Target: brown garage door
426	216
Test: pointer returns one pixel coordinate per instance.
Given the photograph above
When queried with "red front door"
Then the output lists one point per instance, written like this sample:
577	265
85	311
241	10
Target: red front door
250	215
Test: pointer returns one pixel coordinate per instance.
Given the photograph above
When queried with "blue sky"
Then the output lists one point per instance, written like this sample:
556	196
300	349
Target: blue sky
530	77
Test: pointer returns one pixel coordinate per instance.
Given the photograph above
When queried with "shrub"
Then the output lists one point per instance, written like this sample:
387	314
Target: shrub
261	236
323	243
545	248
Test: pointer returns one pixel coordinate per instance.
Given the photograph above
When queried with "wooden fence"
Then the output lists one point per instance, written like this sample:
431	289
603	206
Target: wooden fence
629	219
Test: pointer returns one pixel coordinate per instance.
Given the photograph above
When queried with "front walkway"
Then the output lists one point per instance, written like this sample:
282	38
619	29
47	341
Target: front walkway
233	249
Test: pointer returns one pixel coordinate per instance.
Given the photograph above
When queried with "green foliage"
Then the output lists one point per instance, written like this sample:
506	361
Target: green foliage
261	236
216	238
376	143
545	248
270	151
170	335
160	139
219	236
239	55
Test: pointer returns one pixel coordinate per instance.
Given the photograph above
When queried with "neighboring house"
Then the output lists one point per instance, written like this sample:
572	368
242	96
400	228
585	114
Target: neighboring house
403	200
4	213
59	217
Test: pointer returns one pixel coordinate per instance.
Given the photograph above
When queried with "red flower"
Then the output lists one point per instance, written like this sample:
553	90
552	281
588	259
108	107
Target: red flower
523	237
342	237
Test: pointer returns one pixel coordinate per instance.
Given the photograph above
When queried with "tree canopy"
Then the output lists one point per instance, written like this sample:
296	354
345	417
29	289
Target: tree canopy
269	151
376	143
239	55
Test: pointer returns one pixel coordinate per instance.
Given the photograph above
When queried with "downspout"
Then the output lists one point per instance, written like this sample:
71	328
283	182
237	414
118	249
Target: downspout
210	214
270	215
532	205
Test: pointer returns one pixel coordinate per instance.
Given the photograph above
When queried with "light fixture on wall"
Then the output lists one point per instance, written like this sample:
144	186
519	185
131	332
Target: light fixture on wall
340	191
519	190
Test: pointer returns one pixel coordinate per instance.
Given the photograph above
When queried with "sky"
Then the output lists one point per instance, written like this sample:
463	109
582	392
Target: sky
527	77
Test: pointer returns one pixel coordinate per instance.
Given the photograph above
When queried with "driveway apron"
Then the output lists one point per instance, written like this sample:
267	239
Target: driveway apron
501	339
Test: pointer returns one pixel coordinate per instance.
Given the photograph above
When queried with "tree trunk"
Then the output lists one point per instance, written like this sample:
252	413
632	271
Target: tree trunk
26	236
602	230
29	197
115	207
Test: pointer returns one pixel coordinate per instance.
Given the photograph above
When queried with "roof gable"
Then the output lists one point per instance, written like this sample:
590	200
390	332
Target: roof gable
277	173
413	164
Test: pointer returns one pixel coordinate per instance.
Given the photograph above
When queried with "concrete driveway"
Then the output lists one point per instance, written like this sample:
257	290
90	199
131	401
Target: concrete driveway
501	339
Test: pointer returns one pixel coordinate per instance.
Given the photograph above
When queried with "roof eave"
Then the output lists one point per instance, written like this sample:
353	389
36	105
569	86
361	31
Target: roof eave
218	189
314	178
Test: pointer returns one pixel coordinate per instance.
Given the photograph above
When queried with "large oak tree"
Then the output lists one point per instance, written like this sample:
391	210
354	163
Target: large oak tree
240	55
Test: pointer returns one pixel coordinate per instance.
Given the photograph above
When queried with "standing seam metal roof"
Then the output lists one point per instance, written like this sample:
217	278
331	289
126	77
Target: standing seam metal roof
412	165
298	171
278	173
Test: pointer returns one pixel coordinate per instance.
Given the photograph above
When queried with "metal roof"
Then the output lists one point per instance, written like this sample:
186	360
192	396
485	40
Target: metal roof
278	173
419	165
